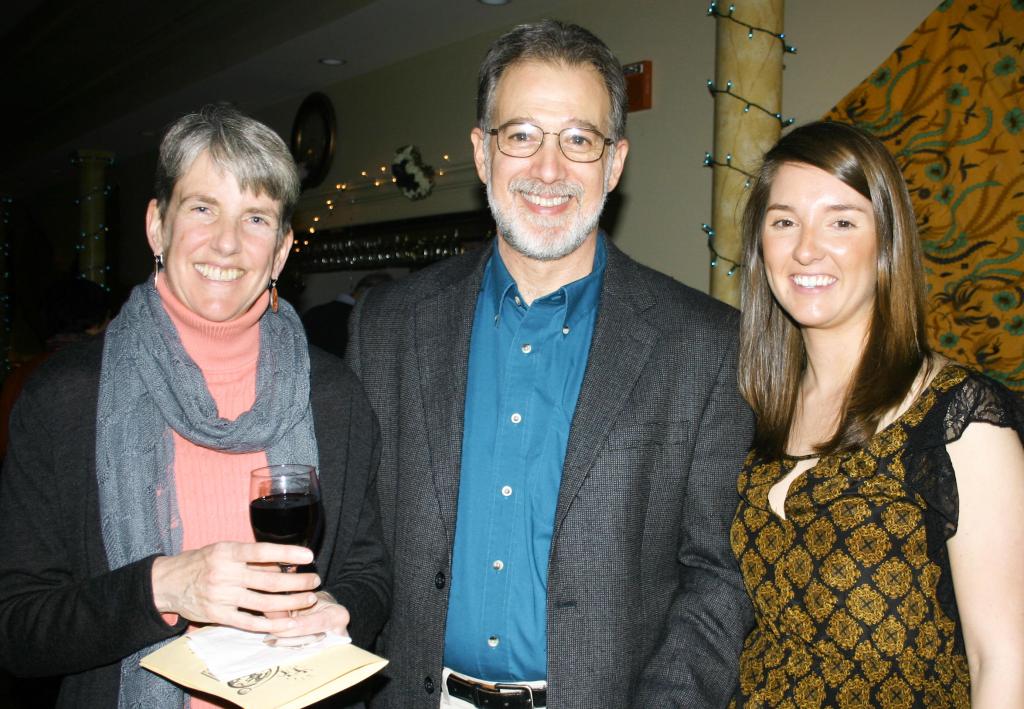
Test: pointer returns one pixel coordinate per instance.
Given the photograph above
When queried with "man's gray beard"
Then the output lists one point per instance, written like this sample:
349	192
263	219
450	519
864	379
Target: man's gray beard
540	248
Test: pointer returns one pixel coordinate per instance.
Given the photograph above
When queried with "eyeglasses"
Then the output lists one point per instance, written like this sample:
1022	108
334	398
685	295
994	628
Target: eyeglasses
521	140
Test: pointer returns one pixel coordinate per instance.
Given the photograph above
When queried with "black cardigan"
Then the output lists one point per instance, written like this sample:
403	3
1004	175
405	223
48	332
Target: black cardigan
63	612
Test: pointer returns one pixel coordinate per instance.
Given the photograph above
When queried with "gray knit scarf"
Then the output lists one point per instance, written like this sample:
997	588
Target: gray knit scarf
149	386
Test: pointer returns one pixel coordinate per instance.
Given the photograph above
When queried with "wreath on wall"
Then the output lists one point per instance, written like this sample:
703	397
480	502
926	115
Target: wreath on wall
412	177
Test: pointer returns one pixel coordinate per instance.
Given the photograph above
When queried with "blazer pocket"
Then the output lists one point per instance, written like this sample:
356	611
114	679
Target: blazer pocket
644	434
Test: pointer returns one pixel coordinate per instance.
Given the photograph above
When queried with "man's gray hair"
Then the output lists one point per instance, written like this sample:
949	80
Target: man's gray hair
553	42
238	144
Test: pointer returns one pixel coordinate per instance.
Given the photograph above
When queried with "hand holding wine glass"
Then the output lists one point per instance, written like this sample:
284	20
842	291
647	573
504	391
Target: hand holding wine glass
285	508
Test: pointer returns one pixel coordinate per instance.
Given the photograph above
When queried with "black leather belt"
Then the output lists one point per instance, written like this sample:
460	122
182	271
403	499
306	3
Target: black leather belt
496	696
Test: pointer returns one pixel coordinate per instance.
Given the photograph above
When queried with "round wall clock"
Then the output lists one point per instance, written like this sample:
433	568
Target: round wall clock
313	135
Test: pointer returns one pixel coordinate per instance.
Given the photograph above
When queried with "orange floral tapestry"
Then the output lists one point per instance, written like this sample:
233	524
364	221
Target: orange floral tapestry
949	104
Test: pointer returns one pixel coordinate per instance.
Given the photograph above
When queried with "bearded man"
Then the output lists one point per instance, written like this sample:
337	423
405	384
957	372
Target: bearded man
561	429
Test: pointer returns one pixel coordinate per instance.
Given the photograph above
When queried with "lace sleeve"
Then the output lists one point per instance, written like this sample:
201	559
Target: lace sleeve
980	399
974	399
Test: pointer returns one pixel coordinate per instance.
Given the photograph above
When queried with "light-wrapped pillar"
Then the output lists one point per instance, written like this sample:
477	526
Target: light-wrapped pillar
748	98
92	205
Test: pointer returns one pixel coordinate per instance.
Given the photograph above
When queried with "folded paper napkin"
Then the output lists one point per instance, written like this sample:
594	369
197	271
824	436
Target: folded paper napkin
229	653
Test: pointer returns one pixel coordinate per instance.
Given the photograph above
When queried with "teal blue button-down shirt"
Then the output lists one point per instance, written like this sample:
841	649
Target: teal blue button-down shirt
526	366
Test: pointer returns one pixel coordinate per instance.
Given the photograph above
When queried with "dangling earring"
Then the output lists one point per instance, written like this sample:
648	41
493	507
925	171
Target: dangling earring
273	294
158	265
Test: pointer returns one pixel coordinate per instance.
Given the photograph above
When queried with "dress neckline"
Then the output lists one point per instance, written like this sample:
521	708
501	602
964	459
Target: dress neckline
791	461
914	404
798	458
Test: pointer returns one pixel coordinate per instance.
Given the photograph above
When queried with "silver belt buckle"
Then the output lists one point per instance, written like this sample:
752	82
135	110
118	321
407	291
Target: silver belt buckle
529	690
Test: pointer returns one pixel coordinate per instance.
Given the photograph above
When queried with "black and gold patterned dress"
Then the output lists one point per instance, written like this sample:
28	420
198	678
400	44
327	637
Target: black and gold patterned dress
852	592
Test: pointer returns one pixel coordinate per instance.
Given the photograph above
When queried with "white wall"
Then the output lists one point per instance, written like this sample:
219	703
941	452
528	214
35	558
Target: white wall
840	44
665	193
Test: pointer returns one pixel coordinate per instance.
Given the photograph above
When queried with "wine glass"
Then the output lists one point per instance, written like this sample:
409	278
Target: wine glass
284	508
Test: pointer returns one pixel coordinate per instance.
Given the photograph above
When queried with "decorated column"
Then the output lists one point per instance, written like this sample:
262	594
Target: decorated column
747	92
92	202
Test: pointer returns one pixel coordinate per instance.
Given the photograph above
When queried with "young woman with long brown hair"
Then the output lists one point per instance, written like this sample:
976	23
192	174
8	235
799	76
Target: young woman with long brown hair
881	522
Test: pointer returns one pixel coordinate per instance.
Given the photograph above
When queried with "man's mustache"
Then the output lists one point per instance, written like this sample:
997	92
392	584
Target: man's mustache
532	186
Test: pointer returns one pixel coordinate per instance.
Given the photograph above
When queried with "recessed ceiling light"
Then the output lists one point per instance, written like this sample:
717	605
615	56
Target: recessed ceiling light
494	2
331	61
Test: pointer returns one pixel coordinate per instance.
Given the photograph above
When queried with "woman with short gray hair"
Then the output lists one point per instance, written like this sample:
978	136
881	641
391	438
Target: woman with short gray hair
124	500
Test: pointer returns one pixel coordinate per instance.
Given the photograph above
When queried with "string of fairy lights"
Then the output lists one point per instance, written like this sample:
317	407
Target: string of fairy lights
712	89
368	186
713	10
100	192
710	160
100	232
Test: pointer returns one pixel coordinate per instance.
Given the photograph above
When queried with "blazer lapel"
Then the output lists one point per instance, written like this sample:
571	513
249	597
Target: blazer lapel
444	324
621	345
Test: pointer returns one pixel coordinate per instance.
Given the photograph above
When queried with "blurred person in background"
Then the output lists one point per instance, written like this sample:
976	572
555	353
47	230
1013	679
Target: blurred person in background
327	324
73	309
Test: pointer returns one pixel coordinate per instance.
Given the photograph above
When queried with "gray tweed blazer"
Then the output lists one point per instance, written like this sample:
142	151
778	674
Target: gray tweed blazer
645	605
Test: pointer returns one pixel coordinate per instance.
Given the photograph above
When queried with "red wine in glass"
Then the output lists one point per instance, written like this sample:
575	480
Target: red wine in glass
284	508
285	518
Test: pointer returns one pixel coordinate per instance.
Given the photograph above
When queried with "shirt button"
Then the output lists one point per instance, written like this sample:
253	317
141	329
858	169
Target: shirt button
493	641
439	580
527	348
428	684
498	565
519	301
516	417
565	330
506	491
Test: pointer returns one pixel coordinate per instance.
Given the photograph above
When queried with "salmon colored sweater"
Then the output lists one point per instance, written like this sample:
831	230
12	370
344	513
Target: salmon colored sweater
213	487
